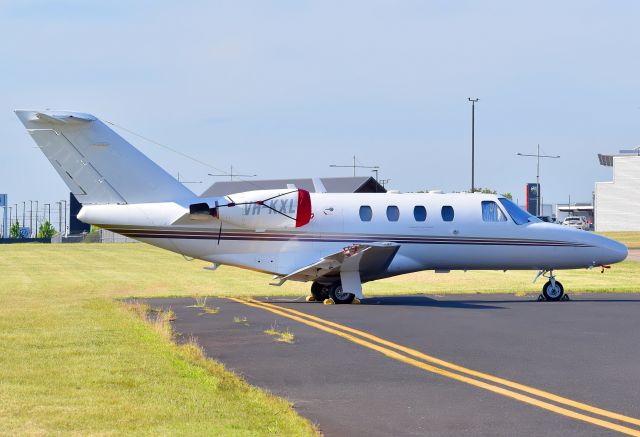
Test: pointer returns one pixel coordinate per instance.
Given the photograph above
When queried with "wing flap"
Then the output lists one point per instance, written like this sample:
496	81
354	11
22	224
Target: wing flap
364	258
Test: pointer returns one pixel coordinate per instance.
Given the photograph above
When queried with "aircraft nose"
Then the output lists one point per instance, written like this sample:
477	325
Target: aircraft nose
618	251
612	250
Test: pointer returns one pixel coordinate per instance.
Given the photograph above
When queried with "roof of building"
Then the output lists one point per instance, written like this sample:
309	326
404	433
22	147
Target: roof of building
607	159
357	184
576	207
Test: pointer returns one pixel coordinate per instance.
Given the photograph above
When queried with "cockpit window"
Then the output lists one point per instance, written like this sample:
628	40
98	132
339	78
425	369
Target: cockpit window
518	215
491	212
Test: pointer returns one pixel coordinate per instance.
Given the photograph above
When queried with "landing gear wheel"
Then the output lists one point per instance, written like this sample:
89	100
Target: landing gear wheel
319	291
339	296
553	293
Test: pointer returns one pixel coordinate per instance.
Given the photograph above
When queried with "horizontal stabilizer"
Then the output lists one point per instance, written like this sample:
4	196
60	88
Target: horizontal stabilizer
61	118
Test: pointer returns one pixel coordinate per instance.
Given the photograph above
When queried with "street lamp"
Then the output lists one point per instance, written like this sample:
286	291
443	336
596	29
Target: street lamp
59	217
37	208
30	218
538	156
473	141
64	234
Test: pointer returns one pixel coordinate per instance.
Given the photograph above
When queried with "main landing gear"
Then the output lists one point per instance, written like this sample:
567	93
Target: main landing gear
319	292
330	293
552	290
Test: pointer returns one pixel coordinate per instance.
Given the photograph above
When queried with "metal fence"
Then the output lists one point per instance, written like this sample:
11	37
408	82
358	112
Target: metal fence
104	236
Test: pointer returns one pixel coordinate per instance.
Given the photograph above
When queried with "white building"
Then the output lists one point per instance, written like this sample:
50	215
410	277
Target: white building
617	203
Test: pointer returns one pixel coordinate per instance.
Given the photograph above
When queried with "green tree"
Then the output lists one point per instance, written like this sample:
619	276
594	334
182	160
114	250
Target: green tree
484	190
14	230
46	230
490	191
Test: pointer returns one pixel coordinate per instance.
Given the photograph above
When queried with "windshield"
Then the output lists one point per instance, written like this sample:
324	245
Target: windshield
518	215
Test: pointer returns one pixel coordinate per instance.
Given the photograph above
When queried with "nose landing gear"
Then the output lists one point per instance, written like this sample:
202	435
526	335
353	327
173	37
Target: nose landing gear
552	290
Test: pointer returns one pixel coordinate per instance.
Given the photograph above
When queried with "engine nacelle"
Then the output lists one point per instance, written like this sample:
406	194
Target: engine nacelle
263	209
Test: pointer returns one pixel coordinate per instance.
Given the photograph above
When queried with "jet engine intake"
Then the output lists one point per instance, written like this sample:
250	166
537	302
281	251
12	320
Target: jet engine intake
261	209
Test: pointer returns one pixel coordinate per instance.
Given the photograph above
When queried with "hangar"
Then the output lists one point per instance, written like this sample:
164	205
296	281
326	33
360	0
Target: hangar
356	184
617	203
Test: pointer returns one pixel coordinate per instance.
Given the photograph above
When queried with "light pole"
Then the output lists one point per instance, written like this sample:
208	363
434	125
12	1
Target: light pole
538	156
65	217
59	217
354	166
48	208
30	218
24	214
473	141
37	209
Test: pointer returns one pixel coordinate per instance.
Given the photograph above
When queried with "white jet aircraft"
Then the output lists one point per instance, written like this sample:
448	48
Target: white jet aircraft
337	241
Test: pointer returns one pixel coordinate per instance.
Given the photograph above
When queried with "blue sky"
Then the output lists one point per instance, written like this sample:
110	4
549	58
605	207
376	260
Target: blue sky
286	88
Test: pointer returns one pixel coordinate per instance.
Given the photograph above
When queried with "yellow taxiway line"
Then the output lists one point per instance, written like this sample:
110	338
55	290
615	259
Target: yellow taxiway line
386	348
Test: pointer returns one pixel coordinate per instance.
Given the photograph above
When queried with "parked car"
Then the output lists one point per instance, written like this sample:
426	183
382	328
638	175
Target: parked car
576	222
546	218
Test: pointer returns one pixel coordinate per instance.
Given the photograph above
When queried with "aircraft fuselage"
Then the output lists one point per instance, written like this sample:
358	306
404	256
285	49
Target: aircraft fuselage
467	242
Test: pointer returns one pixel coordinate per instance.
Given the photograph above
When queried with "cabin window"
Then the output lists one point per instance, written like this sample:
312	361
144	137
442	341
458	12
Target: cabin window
419	213
447	213
393	213
365	213
491	212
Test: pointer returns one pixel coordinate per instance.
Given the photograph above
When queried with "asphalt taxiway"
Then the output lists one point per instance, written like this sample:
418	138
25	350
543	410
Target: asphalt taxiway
436	365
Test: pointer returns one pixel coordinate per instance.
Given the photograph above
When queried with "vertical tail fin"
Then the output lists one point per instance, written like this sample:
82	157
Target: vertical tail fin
96	163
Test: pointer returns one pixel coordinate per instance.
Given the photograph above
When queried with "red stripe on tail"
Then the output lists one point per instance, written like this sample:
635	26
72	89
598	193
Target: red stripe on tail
304	208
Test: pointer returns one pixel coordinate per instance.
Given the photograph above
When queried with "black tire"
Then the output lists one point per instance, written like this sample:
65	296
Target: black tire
320	292
338	296
553	294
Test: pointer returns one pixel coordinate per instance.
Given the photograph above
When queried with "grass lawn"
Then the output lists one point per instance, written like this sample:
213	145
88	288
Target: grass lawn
631	239
74	361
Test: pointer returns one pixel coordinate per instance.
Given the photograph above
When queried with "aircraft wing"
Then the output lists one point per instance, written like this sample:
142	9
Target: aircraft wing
358	258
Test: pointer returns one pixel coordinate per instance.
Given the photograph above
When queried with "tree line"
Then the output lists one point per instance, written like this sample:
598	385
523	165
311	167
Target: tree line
45	230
